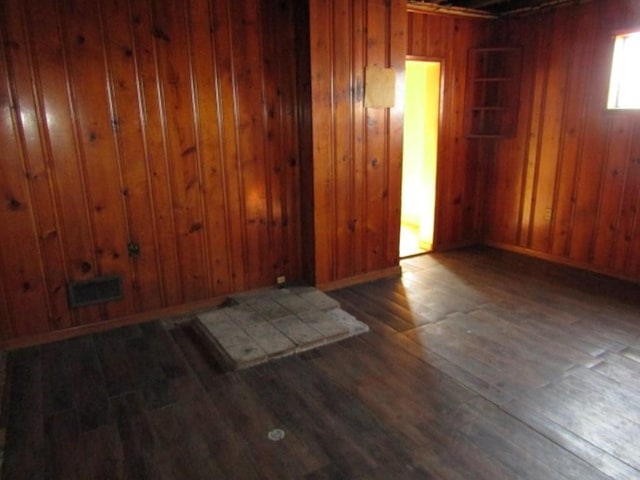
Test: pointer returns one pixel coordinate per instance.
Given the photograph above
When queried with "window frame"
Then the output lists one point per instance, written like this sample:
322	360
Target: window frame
608	104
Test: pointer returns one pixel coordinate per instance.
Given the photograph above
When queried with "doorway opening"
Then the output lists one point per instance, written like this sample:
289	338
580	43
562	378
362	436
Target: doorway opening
420	147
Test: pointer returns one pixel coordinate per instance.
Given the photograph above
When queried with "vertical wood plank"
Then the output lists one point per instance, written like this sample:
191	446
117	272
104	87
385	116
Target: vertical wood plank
358	199
623	252
37	170
414	33
252	163
552	131
597	129
573	134
304	125
377	141
535	138
448	189
196	111
276	201
149	88
99	163
321	34
227	94
210	147
23	282
128	134
171	43
468	211
67	180
613	184
287	161
281	139
397	41
342	52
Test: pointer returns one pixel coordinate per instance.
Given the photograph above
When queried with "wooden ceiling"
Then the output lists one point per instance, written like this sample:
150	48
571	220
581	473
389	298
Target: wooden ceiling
492	8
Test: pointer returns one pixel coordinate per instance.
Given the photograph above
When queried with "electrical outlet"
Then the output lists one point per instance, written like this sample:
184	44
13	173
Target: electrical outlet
547	214
281	279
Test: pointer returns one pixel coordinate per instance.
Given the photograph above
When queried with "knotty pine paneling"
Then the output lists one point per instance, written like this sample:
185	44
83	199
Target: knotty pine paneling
172	124
462	163
357	151
566	187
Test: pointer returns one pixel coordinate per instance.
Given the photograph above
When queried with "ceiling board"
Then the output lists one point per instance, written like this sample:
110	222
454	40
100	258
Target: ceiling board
493	8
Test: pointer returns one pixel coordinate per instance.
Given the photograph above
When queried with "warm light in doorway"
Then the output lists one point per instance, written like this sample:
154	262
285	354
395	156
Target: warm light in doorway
421	119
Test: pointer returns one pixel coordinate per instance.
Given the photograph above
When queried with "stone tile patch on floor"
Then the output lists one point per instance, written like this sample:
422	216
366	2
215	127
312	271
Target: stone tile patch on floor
319	299
298	331
270	339
274	323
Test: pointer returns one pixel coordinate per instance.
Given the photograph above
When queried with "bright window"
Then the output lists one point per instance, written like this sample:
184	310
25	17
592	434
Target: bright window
624	88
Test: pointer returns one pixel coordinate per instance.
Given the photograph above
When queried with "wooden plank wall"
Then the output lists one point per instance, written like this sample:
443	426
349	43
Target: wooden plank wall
462	163
567	187
357	151
169	123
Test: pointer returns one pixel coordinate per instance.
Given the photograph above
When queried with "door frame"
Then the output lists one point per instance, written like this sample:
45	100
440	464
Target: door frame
438	194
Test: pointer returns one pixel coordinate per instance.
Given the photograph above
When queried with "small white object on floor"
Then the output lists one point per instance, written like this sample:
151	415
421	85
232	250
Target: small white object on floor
275	435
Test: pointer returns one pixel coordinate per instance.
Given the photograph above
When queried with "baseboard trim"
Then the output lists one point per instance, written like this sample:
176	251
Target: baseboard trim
562	261
159	314
170	313
362	278
446	247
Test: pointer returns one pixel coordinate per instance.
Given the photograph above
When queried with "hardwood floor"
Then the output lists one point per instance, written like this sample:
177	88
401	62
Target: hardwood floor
480	365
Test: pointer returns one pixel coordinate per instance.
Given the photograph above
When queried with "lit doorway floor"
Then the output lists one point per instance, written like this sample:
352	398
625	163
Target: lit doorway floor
409	244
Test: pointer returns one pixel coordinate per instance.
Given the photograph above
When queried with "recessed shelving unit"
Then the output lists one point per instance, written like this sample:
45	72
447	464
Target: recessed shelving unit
493	87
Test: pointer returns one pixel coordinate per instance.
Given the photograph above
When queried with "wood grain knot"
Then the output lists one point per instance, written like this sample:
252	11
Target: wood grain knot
158	33
196	226
13	204
188	151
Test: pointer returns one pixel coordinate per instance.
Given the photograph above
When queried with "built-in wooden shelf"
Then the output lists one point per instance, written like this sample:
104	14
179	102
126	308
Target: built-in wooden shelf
493	87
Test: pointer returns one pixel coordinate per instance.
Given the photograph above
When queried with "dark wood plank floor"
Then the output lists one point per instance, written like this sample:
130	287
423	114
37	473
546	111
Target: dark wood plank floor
479	365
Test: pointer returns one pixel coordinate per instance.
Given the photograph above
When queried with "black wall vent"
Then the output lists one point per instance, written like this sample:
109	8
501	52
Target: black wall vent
96	290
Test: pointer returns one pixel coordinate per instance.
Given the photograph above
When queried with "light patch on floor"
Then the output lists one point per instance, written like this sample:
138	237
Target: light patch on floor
410	241
275	323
